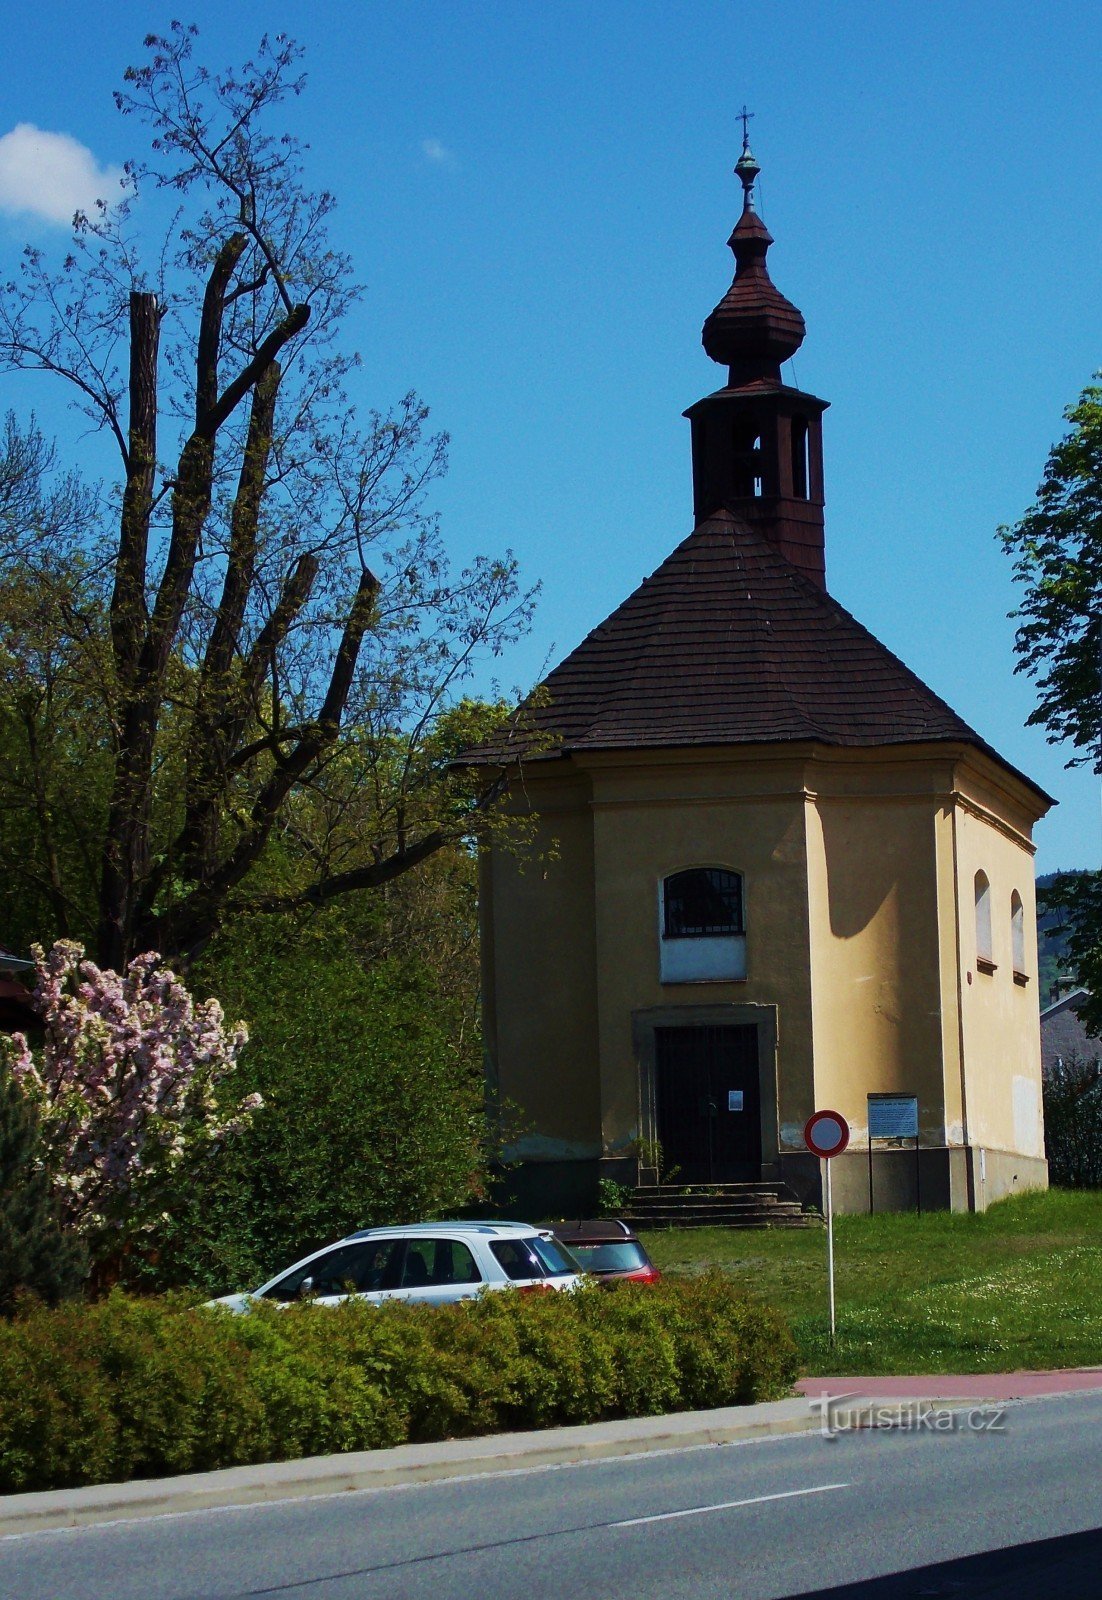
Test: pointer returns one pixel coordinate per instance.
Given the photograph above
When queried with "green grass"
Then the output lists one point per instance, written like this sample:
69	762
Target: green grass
1017	1287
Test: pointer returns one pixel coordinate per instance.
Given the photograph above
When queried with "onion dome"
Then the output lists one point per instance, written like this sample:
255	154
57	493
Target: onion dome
753	328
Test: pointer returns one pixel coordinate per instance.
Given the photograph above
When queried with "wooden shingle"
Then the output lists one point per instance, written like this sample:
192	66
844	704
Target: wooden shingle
726	643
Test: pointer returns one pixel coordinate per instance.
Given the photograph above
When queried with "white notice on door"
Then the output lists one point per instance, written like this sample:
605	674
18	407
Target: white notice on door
734	1099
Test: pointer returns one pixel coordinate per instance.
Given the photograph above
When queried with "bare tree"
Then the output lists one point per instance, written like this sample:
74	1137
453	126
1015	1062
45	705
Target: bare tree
286	641
42	509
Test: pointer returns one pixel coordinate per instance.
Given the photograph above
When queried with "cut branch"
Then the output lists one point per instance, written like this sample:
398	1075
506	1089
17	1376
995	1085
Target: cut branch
129	614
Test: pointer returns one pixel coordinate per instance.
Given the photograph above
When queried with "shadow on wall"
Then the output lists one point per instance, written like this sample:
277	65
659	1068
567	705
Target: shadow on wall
880	970
861	873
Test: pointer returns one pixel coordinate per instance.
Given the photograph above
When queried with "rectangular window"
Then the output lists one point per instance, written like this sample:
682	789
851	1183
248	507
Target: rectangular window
705	902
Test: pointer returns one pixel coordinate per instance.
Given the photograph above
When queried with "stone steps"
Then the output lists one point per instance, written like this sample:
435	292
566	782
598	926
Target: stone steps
717	1205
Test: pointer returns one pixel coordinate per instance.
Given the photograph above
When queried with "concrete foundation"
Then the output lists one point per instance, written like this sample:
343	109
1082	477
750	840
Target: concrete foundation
941	1178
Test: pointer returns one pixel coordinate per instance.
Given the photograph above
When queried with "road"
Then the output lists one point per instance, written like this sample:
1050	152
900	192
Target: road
1009	1512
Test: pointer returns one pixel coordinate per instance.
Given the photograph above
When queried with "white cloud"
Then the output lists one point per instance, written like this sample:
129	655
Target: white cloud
438	153
51	175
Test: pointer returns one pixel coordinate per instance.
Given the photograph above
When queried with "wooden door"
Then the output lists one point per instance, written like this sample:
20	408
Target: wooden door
708	1102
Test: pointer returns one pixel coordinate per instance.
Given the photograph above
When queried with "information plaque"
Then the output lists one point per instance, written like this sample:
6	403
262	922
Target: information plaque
893	1116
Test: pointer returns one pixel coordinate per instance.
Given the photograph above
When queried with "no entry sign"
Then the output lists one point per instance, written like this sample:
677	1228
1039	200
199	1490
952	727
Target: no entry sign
826	1134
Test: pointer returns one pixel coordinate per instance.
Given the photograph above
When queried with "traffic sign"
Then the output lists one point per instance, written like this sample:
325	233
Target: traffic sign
826	1134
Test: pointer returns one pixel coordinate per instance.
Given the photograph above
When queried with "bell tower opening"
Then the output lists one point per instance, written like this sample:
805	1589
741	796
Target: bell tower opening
800	475
757	442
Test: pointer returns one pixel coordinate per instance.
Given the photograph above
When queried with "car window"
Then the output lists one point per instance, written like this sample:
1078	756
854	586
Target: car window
612	1255
556	1258
367	1265
517	1258
431	1262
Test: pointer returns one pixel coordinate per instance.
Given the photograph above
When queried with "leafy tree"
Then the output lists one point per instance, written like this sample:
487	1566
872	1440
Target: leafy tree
1073	1125
1057	552
270	642
371	1077
36	1255
55	765
127	1088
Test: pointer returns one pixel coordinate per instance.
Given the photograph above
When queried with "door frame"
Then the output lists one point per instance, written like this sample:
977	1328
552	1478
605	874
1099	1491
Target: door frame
645	1022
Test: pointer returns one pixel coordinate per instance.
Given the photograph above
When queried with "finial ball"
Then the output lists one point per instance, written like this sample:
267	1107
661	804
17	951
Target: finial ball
746	168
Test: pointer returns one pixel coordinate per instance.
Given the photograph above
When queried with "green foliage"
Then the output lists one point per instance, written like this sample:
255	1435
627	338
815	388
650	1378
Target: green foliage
1073	1125
612	1197
54	728
1075	901
1057	552
35	1255
126	1388
373	1102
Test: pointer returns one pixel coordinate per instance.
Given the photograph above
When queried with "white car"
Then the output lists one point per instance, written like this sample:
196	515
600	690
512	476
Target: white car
428	1263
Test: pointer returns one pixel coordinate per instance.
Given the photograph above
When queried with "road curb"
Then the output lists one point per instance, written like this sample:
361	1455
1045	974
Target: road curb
41	1511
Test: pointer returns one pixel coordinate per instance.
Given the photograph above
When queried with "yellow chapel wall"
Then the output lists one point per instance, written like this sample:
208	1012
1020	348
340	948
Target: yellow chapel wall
680	810
1000	1021
877	968
856	871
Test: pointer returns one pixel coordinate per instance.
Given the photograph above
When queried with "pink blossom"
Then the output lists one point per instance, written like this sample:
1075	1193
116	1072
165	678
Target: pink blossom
127	1083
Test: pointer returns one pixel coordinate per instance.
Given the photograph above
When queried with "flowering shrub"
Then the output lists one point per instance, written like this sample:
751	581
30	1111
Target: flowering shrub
126	1084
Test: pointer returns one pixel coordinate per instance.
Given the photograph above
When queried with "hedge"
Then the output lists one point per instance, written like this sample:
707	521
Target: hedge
130	1388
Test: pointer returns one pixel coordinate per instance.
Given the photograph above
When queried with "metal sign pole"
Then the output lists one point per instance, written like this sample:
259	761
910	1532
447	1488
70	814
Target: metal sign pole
826	1134
830	1249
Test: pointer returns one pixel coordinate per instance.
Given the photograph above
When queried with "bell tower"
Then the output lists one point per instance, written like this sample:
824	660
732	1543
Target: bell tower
758	444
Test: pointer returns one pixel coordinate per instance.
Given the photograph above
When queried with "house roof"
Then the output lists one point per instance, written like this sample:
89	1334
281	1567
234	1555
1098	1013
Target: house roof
1066	1002
726	643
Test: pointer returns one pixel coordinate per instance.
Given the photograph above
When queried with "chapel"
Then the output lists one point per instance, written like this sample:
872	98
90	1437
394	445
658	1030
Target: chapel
772	872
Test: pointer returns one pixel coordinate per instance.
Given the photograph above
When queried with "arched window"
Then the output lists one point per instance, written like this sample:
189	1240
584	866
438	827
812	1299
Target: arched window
985	959
703	926
1017	936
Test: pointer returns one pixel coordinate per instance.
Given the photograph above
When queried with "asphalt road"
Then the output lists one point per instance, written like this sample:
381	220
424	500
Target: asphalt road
1011	1512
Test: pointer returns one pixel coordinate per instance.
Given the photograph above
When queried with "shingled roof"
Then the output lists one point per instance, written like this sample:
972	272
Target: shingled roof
726	643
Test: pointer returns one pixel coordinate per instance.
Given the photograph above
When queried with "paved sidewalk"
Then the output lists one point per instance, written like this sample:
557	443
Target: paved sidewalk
960	1386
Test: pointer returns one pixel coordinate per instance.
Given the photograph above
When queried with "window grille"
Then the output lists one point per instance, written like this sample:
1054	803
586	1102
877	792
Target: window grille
705	902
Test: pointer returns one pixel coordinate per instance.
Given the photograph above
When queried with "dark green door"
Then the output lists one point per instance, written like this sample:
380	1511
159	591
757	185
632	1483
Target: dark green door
708	1102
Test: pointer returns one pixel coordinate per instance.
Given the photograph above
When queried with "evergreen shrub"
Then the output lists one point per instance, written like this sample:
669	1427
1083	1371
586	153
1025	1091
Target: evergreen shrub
36	1255
126	1388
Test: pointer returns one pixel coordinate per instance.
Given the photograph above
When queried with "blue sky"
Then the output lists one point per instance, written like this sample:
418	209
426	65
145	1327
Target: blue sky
537	200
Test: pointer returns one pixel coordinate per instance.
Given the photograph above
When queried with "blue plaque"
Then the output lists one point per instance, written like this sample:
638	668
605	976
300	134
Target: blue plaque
893	1116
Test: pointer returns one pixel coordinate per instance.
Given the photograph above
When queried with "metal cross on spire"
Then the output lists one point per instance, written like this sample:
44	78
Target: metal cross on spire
746	168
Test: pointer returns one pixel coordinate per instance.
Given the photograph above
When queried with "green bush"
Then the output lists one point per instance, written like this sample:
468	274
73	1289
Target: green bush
129	1388
373	1114
36	1255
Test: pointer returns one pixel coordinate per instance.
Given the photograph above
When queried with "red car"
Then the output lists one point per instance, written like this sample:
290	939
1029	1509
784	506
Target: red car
607	1249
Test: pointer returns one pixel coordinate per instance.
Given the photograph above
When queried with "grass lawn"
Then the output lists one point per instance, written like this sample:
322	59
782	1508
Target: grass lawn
1019	1286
